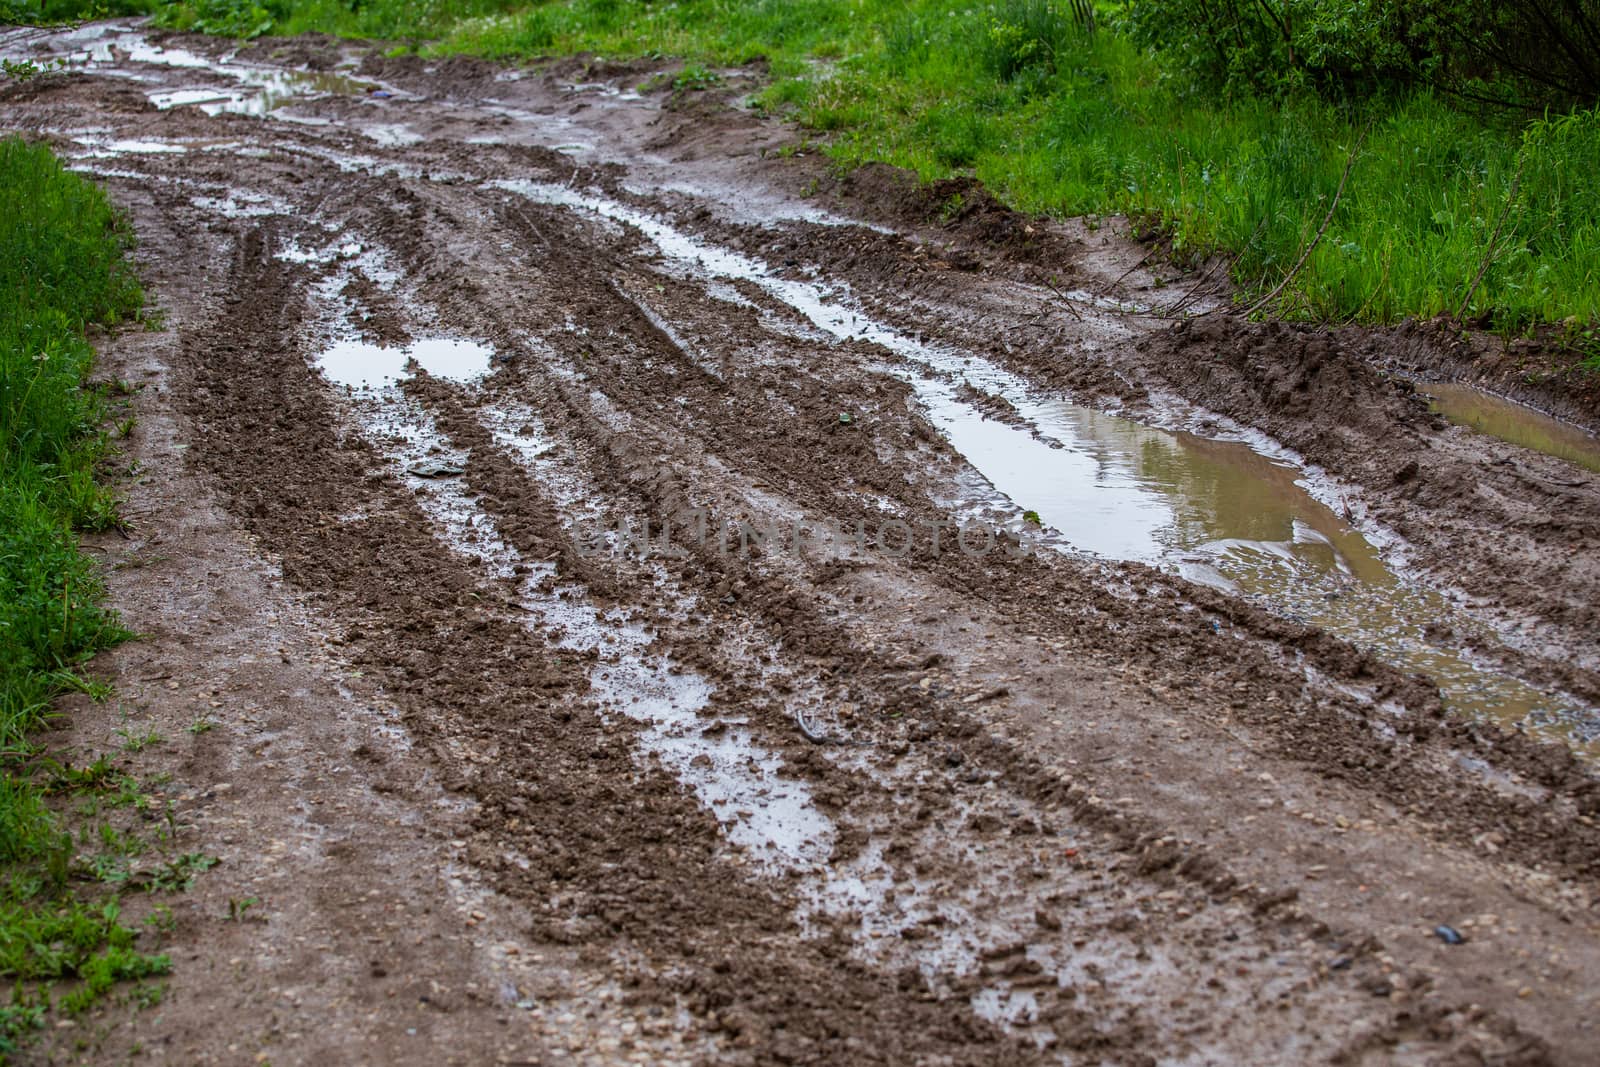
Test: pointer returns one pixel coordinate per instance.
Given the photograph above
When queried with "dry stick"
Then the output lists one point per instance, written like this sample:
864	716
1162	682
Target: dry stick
1349	164
1106	289
1190	295
1494	241
1261	225
532	228
1066	301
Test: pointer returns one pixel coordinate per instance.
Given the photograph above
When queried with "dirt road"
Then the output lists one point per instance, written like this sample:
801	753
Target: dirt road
663	601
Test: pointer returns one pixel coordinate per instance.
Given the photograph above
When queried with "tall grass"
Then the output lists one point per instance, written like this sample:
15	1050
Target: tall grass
62	270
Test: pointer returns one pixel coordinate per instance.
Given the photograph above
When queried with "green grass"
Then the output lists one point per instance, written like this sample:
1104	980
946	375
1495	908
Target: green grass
1065	123
41	12
1061	122
63	271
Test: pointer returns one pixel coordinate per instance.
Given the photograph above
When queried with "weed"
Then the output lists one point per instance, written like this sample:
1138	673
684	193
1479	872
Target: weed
147	994
178	875
694	78
238	906
25	70
161	919
133	741
68	779
204	724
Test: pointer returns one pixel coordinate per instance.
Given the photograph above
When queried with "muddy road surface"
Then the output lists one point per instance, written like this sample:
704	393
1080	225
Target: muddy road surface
695	607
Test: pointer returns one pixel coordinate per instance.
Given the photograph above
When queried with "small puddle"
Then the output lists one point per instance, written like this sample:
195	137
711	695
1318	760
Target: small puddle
106	148
1217	511
1484	412
259	92
392	135
361	365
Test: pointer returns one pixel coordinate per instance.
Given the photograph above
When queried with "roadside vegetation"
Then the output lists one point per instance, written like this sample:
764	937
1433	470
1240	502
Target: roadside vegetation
68	836
1470	132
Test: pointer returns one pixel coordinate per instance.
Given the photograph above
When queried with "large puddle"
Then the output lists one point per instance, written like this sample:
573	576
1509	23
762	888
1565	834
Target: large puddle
1510	421
1219	512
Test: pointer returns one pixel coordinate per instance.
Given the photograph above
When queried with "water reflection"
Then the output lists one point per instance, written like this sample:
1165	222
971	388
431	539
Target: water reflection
1226	515
1509	421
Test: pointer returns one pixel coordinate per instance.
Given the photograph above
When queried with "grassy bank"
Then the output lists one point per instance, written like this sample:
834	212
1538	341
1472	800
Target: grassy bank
1445	212
62	270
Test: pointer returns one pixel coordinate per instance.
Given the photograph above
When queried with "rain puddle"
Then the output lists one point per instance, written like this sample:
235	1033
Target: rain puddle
119	51
1513	422
1219	512
106	148
360	365
393	135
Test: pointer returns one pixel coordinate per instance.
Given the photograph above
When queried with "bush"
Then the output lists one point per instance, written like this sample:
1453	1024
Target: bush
1527	53
1025	36
41	12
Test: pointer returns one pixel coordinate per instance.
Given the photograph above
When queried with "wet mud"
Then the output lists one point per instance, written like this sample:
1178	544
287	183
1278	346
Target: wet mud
861	634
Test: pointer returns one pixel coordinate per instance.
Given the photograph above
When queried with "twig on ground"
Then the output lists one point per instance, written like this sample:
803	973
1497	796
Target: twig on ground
1065	300
1105	290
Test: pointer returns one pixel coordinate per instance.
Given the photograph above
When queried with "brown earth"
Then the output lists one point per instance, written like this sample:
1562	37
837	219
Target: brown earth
1036	808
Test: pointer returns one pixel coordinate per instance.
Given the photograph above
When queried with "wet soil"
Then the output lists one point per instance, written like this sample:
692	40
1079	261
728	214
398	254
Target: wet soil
442	337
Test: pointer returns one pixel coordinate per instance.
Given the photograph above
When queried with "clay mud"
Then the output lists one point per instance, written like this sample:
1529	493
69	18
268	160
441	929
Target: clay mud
1182	678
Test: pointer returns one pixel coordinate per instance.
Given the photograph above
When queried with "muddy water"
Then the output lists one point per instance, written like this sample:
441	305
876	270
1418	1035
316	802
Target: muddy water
1217	511
1510	421
359	364
257	90
1221	513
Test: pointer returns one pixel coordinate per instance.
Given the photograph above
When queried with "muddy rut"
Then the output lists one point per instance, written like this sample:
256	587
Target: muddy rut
698	511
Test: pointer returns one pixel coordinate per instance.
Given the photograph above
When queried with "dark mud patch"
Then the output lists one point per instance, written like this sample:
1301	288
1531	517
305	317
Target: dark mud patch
979	228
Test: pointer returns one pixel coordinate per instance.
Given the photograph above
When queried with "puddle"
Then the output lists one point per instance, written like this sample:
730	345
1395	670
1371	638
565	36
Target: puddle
240	206
392	135
360	365
117	50
1513	422
101	148
1216	511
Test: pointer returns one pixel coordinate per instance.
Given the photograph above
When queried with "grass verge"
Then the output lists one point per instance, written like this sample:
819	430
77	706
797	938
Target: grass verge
62	271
